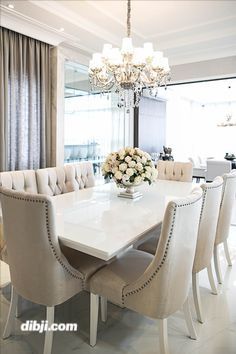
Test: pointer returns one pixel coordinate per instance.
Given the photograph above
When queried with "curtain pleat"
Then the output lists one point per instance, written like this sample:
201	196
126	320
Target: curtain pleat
25	121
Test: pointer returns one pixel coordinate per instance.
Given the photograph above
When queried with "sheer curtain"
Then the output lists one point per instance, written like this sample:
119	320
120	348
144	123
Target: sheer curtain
25	125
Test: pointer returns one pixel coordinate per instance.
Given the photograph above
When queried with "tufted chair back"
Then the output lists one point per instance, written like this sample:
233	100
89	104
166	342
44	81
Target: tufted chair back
208	223
57	180
163	288
175	171
39	271
23	181
226	207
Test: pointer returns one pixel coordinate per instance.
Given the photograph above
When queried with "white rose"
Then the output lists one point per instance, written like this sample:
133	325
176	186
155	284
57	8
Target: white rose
144	160
128	159
138	159
137	180
118	175
139	152
114	169
132	151
129	171
147	156
139	166
121	153
132	163
125	178
148	175
106	167
123	167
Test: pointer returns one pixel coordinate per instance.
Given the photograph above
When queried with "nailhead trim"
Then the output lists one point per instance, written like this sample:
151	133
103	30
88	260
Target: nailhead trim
152	276
48	234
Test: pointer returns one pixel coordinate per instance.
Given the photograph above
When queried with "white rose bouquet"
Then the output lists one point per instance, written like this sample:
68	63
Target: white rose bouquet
129	166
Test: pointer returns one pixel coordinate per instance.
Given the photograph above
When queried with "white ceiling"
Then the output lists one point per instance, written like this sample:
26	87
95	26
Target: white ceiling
187	31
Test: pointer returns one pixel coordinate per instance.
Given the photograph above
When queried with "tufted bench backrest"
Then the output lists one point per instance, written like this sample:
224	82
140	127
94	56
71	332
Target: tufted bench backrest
22	181
69	178
175	171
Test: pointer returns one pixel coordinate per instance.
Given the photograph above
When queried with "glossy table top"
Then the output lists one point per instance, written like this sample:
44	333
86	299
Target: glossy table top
97	222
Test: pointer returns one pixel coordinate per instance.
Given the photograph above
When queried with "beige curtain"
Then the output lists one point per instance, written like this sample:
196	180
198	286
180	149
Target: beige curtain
25	123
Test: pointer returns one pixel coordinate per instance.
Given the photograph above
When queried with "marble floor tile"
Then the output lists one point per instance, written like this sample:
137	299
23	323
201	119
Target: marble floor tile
128	332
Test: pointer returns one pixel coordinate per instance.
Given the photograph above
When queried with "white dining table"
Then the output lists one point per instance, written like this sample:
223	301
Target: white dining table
99	223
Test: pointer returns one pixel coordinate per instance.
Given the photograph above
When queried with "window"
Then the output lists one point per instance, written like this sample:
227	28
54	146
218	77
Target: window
94	125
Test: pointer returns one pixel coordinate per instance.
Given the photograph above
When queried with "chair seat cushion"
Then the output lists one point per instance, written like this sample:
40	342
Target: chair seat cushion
110	280
85	264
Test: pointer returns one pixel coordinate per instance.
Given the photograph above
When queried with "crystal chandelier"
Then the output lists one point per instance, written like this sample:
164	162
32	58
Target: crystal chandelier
128	70
228	122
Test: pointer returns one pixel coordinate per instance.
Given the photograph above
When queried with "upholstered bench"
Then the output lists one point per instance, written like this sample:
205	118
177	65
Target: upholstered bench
50	181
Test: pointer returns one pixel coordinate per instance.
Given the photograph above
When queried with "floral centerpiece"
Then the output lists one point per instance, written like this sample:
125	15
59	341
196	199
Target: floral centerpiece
129	167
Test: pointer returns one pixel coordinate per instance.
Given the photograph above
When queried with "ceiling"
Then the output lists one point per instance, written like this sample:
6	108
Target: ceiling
187	31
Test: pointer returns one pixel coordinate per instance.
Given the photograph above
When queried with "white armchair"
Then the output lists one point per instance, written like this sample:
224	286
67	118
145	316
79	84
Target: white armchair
199	170
217	168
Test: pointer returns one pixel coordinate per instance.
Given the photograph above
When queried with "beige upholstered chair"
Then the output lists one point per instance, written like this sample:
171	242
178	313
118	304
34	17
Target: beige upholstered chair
206	239
68	178
205	242
40	271
225	215
155	286
175	171
23	181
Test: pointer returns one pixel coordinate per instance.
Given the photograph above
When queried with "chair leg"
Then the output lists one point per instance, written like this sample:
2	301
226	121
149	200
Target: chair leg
226	248
217	264
212	280
11	313
49	334
197	297
163	336
103	309
94	307
189	319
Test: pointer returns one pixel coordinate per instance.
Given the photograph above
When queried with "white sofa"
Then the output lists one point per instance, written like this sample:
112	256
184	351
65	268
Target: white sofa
199	169
217	168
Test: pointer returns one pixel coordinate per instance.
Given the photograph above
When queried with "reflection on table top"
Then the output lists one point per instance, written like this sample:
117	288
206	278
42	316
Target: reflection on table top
96	221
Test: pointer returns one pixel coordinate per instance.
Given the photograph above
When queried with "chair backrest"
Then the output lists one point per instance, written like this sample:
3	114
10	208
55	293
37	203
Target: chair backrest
175	171
208	223
217	168
39	271
57	180
163	288
24	181
226	207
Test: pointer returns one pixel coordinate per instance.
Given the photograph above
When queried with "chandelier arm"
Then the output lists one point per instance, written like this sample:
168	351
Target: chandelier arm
104	84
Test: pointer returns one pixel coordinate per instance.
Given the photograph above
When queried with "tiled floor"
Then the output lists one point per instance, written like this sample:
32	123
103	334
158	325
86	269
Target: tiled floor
129	332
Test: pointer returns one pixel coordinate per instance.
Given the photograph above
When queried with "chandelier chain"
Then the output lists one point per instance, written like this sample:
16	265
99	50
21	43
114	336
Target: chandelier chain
128	18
